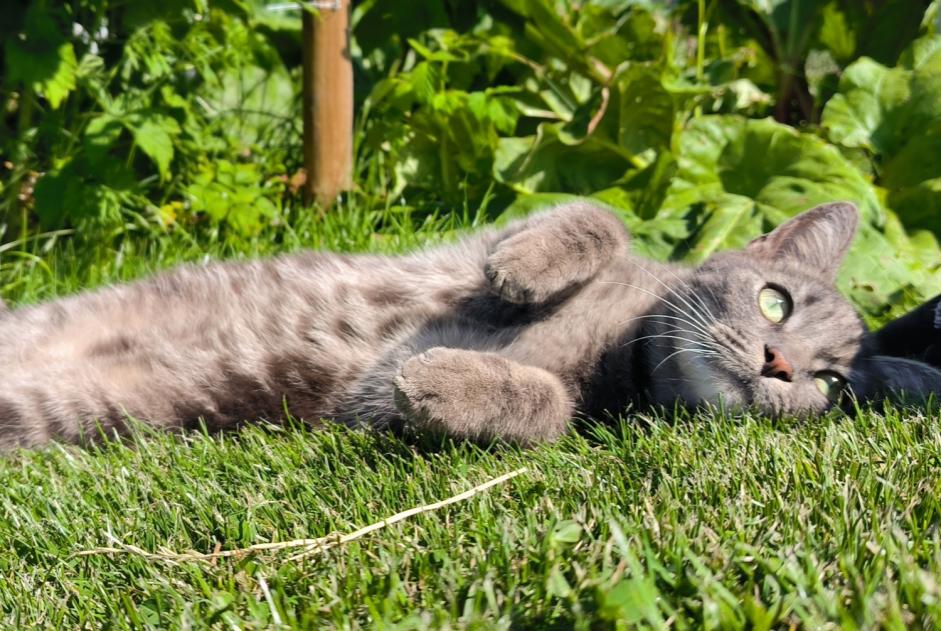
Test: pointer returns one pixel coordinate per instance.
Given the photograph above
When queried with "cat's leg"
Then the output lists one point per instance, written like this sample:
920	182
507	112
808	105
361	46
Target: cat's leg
915	335
481	396
554	252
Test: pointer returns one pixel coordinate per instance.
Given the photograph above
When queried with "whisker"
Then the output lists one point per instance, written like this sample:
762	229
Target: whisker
679	329
666	316
701	327
704	347
670	289
667	358
692	293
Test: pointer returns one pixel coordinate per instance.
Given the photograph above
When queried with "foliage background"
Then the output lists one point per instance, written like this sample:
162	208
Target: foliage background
702	122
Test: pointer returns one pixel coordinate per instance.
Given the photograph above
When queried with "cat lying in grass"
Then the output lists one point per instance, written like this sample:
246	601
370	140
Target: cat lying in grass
505	334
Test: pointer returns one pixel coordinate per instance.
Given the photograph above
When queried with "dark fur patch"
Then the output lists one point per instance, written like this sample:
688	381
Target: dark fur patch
448	296
303	384
343	328
10	415
118	345
392	325
239	397
385	296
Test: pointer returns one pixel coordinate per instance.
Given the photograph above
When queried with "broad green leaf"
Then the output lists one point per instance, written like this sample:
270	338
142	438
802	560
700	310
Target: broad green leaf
542	163
252	99
780	169
557	585
872	109
565	533
232	193
154	135
425	79
646	112
923	54
895	113
102	132
726	224
837	32
887	272
89	187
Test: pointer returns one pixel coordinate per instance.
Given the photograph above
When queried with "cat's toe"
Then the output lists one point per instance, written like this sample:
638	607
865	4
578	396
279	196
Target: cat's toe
505	284
419	383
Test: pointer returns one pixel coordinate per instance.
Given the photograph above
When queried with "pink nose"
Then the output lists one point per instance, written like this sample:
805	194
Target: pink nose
776	365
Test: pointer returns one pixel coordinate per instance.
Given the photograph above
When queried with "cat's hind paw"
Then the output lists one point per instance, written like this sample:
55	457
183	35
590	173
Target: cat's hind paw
481	396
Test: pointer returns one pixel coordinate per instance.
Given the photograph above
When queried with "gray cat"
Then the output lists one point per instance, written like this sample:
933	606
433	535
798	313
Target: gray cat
505	334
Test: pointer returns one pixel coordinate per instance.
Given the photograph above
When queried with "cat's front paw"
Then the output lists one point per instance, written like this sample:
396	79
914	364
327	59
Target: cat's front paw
559	252
519	277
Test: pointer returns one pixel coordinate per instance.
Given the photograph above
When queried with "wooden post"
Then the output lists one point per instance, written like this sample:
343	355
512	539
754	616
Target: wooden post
328	101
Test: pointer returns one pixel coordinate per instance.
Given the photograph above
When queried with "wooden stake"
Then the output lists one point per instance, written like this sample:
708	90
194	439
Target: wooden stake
328	101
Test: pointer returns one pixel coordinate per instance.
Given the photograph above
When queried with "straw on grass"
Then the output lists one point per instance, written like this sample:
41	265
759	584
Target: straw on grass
308	546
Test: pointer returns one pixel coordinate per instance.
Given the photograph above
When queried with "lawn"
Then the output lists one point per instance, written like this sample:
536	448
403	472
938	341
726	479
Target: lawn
708	521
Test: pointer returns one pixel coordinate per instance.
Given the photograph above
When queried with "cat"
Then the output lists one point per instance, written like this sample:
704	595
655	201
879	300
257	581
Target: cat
506	334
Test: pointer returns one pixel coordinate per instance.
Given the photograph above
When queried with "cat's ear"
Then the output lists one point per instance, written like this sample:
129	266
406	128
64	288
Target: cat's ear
900	379
816	239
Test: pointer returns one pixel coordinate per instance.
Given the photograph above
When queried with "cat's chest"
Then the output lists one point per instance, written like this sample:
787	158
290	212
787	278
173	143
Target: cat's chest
601	319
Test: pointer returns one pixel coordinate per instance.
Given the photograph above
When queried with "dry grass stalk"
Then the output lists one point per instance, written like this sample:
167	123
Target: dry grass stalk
309	546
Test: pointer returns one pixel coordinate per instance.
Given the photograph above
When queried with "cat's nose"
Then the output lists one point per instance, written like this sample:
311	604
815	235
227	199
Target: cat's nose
776	366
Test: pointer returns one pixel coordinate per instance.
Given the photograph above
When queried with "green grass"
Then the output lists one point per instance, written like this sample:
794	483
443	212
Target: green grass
712	521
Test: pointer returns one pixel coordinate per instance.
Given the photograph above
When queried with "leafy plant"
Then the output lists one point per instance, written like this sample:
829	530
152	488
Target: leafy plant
116	115
128	118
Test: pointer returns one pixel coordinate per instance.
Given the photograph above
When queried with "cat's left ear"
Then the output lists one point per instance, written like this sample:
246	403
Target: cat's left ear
899	379
816	239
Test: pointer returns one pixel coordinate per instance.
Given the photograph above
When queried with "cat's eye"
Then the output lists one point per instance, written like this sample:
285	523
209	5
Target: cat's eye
830	384
775	305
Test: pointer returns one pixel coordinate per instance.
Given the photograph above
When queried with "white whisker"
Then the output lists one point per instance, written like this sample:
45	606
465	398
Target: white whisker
672	290
667	358
701	327
704	347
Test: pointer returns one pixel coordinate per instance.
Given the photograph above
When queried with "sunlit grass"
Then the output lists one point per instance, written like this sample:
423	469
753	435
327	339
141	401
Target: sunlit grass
710	521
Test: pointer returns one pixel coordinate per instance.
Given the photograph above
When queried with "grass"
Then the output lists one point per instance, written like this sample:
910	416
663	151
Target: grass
709	521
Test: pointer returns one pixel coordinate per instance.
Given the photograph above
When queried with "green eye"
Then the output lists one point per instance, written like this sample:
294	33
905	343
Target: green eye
830	384
775	305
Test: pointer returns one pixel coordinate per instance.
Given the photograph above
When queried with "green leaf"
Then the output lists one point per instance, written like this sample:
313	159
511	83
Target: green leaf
836	32
646	112
782	170
154	134
102	132
565	533
633	601
556	583
542	163
62	82
41	57
727	221
425	79
873	108
895	114
232	193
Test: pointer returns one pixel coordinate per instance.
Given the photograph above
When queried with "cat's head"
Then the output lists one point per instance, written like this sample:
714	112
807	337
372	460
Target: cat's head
766	327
